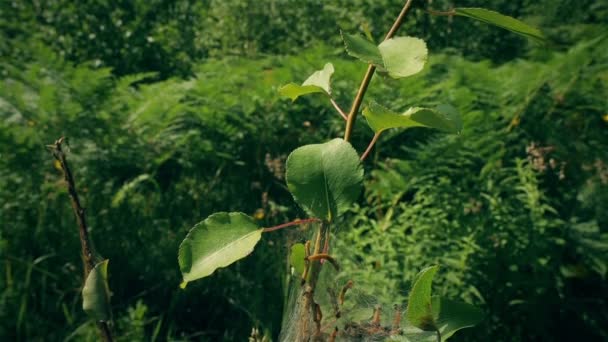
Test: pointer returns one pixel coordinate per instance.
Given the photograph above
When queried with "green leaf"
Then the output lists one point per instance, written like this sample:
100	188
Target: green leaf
399	56
443	117
451	316
431	313
501	20
419	307
318	82
96	293
218	241
403	56
325	179
363	49
296	258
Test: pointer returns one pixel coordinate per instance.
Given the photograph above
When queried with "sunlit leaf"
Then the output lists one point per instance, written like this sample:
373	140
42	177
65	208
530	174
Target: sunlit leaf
218	241
96	293
318	82
419	307
296	258
443	117
501	20
403	56
325	179
399	56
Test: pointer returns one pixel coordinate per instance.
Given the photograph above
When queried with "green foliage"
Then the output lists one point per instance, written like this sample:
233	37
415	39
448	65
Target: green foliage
218	241
362	49
441	316
318	82
325	179
403	56
451	316
525	241
500	20
96	293
399	57
296	258
489	204
419	309
444	117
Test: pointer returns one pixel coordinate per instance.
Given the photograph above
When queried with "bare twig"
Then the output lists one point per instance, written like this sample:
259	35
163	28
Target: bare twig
79	212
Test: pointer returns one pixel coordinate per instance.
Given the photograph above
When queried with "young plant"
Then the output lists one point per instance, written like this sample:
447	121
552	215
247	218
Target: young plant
95	292
326	179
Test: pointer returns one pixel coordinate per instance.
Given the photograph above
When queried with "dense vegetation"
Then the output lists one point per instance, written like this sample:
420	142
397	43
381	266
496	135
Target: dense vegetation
171	111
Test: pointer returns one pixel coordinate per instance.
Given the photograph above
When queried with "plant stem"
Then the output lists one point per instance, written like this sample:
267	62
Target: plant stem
290	224
325	256
352	115
354	109
337	107
315	265
370	146
85	243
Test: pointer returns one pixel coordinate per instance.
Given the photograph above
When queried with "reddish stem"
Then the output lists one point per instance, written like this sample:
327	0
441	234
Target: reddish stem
289	224
370	146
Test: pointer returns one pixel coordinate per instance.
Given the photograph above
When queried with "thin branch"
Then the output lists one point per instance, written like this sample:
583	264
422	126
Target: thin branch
85	242
399	20
337	107
370	146
324	256
352	115
349	285
290	224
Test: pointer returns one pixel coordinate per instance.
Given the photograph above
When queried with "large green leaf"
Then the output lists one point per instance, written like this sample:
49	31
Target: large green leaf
96	293
362	49
403	56
451	316
443	117
501	20
325	179
318	82
419	307
216	242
